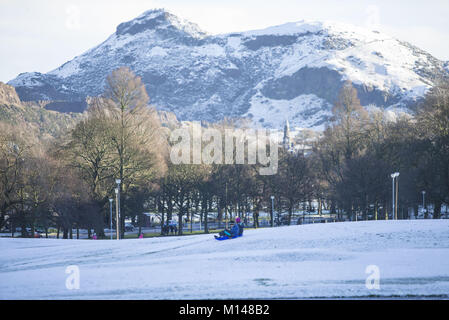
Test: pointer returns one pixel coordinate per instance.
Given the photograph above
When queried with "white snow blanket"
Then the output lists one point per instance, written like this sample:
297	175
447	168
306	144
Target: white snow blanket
410	259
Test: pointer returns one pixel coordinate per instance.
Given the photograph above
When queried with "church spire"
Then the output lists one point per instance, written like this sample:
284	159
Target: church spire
287	140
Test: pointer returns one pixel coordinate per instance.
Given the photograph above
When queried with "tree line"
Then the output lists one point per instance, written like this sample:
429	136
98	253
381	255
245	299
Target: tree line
66	182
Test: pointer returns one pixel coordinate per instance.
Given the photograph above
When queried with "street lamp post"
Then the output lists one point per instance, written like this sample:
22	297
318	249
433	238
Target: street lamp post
110	217
392	190
117	192
226	205
423	202
272	211
397	197
395	203
116	214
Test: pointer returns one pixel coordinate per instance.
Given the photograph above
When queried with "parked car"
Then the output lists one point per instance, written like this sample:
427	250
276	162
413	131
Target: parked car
129	227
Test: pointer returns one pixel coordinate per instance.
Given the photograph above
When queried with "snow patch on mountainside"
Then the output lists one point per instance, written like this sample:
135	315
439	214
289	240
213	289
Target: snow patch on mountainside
157	51
290	28
67	69
210	50
305	109
27	79
371	58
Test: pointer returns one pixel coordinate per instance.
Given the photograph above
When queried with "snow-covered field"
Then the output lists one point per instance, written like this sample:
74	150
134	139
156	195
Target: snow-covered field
308	261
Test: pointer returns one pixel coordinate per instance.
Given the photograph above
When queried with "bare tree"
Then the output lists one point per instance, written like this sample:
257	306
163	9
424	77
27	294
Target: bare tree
136	134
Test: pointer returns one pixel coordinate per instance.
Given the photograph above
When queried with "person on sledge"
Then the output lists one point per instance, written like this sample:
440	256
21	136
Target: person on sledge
236	230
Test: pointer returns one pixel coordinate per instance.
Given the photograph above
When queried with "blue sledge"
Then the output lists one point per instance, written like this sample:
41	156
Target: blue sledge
225	238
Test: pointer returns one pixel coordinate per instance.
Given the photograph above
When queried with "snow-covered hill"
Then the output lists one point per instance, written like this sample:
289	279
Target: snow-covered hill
289	71
317	260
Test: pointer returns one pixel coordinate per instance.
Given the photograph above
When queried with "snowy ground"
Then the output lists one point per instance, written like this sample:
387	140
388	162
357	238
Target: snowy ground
308	261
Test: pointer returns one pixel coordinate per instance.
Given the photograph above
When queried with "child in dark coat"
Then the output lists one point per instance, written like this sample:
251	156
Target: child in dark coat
236	230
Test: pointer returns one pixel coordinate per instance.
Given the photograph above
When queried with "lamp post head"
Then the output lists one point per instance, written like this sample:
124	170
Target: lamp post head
116	190
118	181
394	175
110	200
272	197
423	192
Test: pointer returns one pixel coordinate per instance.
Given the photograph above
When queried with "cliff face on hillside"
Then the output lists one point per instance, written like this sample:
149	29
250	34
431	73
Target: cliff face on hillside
33	117
37	117
8	94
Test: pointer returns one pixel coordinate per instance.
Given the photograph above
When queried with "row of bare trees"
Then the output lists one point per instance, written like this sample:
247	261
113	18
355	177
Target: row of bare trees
361	148
66	182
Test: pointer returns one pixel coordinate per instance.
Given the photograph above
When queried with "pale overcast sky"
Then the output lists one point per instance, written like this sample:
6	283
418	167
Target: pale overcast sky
40	35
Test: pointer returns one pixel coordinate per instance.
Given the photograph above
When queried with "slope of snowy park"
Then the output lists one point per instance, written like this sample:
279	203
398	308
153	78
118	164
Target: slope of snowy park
327	260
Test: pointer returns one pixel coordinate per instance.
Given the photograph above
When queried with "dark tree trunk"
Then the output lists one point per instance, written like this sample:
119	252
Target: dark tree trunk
140	221
122	224
169	209
190	215
219	213
256	213
161	207
333	211
290	212
256	219
180	215
205	216
24	231
437	210
376	208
